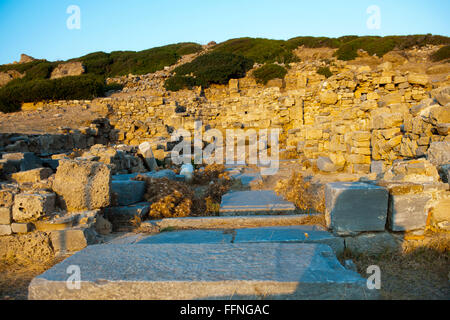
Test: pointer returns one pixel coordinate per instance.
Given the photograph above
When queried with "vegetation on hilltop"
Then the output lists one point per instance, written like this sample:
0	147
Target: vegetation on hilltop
18	91
325	71
382	45
258	49
229	59
442	54
268	72
37	85
207	69
118	63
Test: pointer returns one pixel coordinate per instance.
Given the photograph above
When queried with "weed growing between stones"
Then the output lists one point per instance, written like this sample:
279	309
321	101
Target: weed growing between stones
300	191
171	198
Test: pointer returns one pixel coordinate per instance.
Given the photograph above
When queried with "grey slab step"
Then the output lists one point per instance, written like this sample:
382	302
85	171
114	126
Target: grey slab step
254	202
291	234
203	271
231	222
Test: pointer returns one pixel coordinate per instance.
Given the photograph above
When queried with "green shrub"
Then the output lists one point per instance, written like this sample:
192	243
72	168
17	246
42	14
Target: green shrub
211	68
98	63
314	42
80	87
325	71
442	54
184	48
382	45
176	83
118	63
268	72
258	49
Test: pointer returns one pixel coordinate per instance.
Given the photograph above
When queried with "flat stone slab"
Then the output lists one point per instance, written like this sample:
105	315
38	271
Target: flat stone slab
292	234
203	271
254	202
353	207
247	178
190	236
231	222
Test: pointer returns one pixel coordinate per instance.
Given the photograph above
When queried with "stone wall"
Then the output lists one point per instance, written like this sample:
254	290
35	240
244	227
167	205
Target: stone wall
359	119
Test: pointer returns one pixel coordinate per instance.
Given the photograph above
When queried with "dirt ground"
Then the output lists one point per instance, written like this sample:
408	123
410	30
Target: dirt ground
47	120
418	272
15	278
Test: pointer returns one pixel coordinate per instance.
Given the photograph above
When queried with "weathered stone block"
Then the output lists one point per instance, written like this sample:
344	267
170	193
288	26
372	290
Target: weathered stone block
439	153
145	149
355	207
5	230
7	196
387	120
83	185
441	210
5	215
31	206
408	211
25	160
328	97
325	164
34	175
372	243
128	191
421	79
21	227
71	240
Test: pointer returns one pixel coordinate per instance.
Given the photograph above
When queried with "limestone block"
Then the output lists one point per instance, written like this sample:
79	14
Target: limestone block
355	207
439	153
5	230
387	120
372	243
7	197
5	215
31	206
326	165
328	97
441	210
145	149
21	227
83	185
71	240
421	79
34	175
408	211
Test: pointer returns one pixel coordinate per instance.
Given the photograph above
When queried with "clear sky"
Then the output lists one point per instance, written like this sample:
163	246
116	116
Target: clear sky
39	27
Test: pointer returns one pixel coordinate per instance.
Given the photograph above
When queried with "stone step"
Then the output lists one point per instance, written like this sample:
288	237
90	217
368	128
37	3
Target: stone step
254	202
203	271
232	222
291	234
122	217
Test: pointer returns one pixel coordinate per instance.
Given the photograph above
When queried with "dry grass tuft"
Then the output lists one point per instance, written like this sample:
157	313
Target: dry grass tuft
420	270
304	194
178	199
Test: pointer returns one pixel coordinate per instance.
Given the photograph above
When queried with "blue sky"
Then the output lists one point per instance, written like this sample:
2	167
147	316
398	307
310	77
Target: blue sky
38	27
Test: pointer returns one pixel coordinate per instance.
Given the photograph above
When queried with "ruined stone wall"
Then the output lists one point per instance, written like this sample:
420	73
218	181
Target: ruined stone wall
349	121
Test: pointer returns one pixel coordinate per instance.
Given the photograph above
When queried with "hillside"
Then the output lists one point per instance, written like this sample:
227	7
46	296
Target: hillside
37	80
